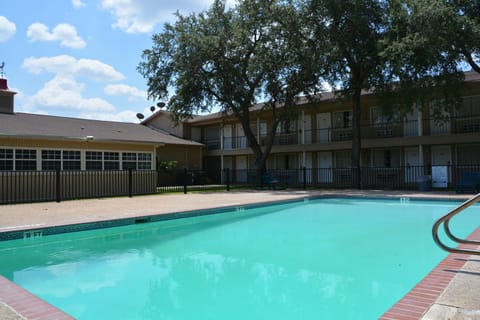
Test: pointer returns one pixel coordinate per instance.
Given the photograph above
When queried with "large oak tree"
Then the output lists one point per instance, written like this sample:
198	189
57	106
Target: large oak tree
230	59
352	31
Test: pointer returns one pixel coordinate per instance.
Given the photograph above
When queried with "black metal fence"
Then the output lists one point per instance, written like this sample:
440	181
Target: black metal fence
35	186
397	178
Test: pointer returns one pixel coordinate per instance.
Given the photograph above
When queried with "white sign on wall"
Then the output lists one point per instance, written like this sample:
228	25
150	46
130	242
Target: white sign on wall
439	176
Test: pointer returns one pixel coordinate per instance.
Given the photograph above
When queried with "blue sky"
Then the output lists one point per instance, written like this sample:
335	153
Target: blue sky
78	58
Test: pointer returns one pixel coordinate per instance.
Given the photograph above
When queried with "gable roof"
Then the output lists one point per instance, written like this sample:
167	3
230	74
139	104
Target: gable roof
27	125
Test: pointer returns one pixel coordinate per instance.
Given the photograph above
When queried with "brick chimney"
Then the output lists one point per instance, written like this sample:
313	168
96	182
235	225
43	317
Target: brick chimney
6	97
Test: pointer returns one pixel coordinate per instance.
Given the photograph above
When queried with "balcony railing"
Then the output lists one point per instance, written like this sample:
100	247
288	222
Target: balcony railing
410	128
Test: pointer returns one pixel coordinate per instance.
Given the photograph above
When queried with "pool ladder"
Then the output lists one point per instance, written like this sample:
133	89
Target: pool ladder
445	220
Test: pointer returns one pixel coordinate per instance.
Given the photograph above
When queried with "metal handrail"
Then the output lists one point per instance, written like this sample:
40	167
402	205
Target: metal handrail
446	220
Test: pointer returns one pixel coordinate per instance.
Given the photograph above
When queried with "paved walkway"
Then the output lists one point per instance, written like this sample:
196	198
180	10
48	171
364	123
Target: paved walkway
459	301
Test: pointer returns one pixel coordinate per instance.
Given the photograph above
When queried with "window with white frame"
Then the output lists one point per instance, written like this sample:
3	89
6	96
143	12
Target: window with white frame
51	160
71	160
93	160
111	161
144	161
6	159
129	160
25	159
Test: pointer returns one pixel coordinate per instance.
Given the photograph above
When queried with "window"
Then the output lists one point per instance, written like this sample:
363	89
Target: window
342	119
144	161
129	161
285	161
263	129
25	159
285	127
470	107
71	160
378	117
51	160
468	154
111	161
6	159
386	158
343	159
93	160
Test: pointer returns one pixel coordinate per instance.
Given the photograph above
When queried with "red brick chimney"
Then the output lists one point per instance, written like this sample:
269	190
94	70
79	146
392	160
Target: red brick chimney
6	97
3	84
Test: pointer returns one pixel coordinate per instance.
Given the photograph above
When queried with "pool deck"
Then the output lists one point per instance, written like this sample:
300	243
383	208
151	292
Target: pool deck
450	291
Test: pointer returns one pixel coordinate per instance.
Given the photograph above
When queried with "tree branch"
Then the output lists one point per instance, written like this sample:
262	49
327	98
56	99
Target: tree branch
470	61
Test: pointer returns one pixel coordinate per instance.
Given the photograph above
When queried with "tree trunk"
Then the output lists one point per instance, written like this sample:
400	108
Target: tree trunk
356	139
260	155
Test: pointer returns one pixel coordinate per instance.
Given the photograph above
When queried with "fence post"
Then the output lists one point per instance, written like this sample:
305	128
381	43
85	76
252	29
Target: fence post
227	178
130	182
304	178
57	182
185	180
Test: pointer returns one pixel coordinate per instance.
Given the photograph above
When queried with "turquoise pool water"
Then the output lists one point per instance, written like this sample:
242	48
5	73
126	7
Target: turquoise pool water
321	259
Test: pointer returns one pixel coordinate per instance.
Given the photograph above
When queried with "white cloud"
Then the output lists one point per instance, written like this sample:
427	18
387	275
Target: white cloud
68	65
141	16
63	32
7	29
125	90
63	91
78	4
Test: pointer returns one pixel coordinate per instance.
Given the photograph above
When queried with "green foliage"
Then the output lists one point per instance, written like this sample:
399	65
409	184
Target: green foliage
167	165
231	59
420	59
468	30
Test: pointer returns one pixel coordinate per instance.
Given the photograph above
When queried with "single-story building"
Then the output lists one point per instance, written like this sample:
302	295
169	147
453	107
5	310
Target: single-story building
43	142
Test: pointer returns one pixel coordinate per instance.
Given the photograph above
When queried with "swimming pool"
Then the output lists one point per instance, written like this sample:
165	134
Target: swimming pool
325	258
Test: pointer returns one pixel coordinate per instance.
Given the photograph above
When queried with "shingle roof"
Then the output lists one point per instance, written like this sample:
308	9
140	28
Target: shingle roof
27	125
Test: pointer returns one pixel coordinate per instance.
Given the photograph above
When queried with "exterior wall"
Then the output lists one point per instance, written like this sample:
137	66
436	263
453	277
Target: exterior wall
164	121
387	141
82	146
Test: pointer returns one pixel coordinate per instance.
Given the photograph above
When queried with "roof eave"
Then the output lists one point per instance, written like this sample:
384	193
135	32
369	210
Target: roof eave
77	139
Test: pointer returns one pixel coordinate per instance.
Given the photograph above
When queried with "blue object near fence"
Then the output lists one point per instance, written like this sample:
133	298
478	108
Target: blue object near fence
470	182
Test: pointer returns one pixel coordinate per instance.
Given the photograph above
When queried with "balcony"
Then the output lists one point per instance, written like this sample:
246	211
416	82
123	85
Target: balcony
412	128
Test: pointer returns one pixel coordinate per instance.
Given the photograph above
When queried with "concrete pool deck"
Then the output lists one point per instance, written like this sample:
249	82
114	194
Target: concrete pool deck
456	289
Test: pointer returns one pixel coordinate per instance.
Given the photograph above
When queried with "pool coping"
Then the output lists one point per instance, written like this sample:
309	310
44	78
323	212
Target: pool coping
412	306
33	231
420	299
26	233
